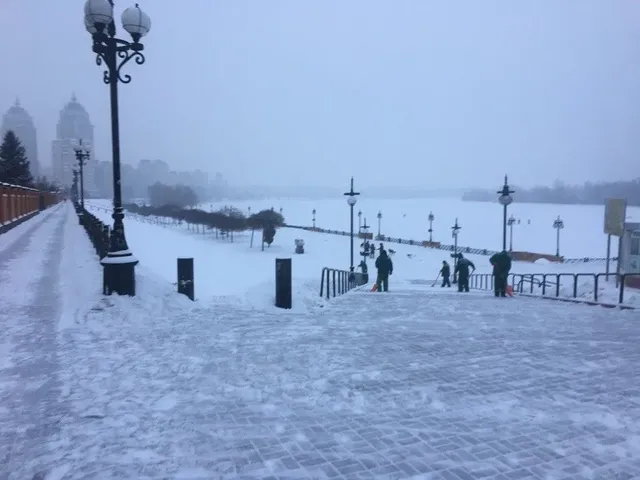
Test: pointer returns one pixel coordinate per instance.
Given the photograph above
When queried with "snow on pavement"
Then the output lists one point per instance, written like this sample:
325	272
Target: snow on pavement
39	278
30	269
410	384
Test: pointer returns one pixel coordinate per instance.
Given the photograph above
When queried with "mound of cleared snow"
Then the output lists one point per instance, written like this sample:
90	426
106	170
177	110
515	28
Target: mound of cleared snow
542	261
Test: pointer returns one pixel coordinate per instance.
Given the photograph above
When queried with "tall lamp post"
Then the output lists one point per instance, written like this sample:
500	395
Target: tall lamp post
379	225
81	157
454	233
510	222
431	218
558	224
505	200
74	186
359	220
352	202
314	217
115	53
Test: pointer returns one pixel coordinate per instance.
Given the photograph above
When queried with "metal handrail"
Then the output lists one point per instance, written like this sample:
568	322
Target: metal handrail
544	281
339	282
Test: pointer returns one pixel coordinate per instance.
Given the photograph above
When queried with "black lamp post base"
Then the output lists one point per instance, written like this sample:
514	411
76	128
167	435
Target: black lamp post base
119	274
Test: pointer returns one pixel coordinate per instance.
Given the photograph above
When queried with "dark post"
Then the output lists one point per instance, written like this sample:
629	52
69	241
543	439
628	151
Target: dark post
283	283
314	217
379	223
454	234
359	220
74	187
119	264
185	277
351	201
431	219
81	157
510	222
505	200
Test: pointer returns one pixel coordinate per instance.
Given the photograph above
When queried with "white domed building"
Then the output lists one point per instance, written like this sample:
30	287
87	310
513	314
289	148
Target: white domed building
18	120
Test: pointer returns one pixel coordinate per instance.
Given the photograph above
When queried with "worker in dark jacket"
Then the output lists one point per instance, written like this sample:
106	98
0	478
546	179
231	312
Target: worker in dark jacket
501	267
385	268
462	269
445	271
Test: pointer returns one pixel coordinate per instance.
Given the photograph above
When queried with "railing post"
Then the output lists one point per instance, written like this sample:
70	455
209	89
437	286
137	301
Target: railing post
575	286
105	241
334	282
327	284
623	278
595	287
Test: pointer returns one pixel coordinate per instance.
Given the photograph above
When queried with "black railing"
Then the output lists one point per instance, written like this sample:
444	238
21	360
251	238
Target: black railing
549	284
442	246
338	282
97	231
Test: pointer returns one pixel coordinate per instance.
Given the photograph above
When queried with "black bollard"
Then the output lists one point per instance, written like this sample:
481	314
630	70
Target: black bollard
283	282
185	277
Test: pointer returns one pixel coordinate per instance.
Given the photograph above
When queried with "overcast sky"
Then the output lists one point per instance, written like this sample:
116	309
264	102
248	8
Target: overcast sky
395	92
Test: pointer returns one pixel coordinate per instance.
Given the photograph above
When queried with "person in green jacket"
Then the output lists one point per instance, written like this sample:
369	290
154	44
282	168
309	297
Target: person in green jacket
501	267
385	268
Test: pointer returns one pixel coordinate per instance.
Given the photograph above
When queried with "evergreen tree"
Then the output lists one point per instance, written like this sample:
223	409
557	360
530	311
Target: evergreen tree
14	166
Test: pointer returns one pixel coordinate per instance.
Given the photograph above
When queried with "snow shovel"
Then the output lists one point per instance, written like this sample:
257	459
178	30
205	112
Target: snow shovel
436	280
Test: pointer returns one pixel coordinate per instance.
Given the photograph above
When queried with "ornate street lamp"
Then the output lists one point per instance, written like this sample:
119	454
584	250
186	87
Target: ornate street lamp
558	224
431	218
505	200
115	53
74	187
510	222
81	157
351	201
454	233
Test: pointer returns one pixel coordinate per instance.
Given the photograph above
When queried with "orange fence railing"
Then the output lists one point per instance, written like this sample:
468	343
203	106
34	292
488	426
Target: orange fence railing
16	201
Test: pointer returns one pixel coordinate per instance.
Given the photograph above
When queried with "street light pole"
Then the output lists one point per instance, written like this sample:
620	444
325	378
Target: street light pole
351	201
359	221
454	233
314	217
510	222
505	200
115	53
74	186
81	157
379	223
558	224
431	218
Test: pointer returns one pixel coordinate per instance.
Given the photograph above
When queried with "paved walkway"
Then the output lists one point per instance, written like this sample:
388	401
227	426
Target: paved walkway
411	384
29	386
406	385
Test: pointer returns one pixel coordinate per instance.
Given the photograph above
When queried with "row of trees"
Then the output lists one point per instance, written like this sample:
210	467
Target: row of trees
226	220
15	168
559	193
